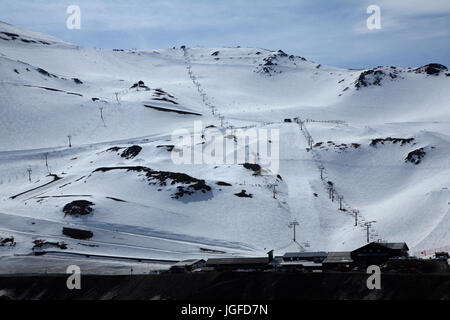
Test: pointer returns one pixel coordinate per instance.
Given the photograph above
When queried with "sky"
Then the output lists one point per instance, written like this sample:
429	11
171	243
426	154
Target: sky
330	32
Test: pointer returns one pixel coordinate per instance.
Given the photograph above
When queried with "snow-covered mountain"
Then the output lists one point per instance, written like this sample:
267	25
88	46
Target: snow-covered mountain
382	136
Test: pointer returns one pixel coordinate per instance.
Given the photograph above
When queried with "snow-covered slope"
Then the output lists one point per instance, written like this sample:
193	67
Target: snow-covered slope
382	136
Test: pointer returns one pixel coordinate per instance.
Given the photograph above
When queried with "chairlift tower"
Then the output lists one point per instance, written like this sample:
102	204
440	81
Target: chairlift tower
368	225
321	168
273	187
341	198
356	212
293	224
29	174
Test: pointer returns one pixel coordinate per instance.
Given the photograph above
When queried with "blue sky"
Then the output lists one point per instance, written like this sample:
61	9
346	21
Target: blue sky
332	32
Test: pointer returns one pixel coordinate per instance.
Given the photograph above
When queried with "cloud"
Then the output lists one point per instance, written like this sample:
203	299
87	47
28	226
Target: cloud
415	7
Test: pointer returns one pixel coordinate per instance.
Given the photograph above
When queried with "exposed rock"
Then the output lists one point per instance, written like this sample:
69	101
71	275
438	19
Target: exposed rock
139	84
78	208
10	34
165	99
281	53
375	76
28	41
221	183
340	147
131	152
318	144
45	73
160	92
169	147
431	69
416	156
42	244
402	141
253	166
7	241
244	194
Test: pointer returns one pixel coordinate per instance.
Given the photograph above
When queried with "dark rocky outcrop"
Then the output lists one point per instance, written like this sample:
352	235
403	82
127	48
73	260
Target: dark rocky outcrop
281	53
78	208
415	156
402	141
161	95
338	147
10	34
431	69
252	166
169	147
45	73
42	244
244	194
114	149
225	184
7	242
160	92
139	85
374	77
131	152
165	100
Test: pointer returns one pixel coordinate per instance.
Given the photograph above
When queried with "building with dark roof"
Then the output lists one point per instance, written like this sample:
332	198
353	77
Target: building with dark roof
316	257
227	264
379	252
338	261
299	265
187	265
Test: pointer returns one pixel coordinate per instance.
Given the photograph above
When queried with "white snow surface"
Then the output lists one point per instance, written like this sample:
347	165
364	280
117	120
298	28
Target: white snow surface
41	105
